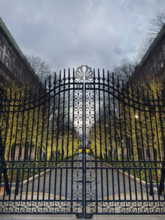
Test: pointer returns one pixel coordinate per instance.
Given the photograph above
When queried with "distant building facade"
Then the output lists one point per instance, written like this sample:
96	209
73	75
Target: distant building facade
153	62
152	65
14	67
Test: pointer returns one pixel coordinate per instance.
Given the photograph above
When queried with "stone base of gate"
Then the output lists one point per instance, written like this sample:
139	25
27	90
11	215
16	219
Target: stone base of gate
126	207
71	217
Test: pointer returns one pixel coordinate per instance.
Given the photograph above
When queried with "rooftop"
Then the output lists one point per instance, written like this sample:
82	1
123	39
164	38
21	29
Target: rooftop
10	37
16	47
153	44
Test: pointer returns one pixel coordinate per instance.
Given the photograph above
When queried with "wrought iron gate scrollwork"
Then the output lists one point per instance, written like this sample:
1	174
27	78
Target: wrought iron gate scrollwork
84	144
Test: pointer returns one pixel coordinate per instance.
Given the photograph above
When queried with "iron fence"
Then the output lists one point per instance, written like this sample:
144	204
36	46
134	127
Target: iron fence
84	144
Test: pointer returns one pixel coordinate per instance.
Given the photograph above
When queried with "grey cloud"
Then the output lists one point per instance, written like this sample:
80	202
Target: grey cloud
68	33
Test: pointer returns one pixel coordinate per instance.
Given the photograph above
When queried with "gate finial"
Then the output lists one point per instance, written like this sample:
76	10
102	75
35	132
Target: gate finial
84	73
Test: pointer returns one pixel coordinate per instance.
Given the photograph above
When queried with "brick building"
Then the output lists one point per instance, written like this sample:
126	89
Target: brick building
153	62
13	64
152	65
14	67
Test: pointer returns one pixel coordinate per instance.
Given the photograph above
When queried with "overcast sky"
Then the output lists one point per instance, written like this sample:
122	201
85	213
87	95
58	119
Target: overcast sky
69	33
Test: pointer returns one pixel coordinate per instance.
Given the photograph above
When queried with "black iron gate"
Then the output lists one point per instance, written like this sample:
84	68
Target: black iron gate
83	144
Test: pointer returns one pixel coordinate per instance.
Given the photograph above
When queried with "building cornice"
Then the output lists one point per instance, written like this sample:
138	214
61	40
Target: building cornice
153	45
16	48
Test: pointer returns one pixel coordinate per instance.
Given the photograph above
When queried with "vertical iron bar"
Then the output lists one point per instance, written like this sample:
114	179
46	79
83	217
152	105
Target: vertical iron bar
84	143
105	122
114	119
53	120
151	127
32	150
11	136
106	131
131	138
73	130
119	135
124	105
26	131
115	109
15	144
52	133
42	134
110	133
2	146
63	132
20	146
142	142
158	142
136	140
58	132
161	186
47	134
68	133
3	167
146	134
100	135
27	151
37	134
95	125
6	100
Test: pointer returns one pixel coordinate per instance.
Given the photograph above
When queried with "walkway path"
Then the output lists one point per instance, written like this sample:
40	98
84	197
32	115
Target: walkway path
62	185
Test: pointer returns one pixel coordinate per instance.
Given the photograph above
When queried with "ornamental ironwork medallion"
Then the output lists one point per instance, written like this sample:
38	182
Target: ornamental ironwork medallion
85	75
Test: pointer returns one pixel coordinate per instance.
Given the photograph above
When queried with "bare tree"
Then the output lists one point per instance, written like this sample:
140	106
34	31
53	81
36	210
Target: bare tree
40	67
154	26
125	69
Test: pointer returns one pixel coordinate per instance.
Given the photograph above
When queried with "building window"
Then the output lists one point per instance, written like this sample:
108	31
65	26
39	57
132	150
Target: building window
17	63
161	64
1	42
7	62
163	48
1	53
9	53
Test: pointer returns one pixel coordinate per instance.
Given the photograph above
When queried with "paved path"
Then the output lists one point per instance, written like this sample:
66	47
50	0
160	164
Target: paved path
72	217
101	184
